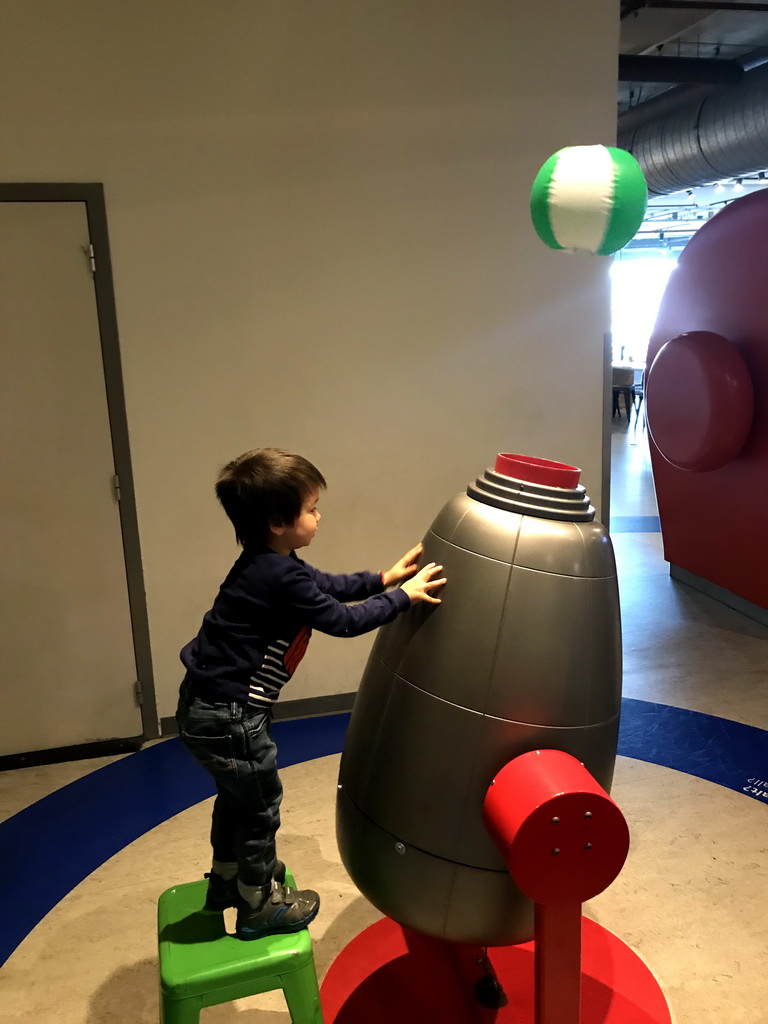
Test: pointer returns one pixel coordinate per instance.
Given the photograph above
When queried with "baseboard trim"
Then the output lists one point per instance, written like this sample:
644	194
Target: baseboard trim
77	752
287	710
717	593
314	707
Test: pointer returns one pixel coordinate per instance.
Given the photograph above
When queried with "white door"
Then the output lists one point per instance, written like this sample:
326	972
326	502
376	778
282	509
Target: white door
67	665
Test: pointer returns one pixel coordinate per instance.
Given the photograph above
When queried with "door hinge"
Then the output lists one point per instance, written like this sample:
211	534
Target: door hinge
116	486
138	693
90	255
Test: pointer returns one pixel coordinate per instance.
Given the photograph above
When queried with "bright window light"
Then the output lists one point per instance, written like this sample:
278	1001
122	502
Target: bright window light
636	290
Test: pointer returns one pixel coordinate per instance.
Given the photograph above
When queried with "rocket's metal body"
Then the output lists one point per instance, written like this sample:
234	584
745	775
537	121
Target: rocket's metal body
523	653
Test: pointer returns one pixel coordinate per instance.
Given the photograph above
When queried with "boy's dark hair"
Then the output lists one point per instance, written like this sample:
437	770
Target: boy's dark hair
267	485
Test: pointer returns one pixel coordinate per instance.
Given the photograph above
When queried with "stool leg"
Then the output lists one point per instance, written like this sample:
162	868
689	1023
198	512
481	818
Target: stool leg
179	1011
302	995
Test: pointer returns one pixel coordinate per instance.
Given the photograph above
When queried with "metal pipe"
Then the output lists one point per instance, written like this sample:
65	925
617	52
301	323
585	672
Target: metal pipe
661	105
722	135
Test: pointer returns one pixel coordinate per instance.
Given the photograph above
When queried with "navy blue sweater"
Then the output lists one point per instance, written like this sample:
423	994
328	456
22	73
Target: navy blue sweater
258	629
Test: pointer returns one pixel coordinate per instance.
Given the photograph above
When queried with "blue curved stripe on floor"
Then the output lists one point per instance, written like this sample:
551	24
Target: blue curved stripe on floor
719	750
51	846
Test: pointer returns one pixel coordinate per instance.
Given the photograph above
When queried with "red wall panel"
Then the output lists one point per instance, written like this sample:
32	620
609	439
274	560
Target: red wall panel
715	521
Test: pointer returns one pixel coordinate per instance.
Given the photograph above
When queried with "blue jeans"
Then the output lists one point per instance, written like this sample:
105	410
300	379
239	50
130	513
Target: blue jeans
234	744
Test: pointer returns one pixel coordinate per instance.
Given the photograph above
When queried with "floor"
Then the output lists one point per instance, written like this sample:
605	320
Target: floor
112	833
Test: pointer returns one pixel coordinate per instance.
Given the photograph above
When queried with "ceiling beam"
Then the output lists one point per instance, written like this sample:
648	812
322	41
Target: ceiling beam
698	70
634	6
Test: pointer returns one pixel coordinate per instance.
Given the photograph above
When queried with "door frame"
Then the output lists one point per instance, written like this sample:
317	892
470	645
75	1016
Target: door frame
92	195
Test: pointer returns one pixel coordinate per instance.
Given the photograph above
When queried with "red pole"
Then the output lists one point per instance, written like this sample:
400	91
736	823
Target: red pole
557	963
564	841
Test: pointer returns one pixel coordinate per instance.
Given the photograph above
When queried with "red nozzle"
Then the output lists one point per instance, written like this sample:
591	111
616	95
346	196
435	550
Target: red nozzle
537	471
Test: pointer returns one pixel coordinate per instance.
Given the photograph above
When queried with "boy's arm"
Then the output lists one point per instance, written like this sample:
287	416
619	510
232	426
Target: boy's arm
353	586
322	611
359	585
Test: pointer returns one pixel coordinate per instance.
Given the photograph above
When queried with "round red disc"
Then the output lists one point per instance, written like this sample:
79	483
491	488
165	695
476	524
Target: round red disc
699	401
384	977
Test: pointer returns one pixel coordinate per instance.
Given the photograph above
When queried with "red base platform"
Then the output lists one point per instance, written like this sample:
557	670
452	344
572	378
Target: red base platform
388	975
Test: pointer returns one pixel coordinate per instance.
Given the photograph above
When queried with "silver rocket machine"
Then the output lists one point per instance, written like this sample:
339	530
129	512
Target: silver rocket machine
523	653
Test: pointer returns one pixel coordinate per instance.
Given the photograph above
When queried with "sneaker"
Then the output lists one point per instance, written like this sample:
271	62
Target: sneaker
284	910
222	892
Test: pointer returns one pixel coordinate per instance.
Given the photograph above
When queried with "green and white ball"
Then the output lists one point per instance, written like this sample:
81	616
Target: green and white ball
589	199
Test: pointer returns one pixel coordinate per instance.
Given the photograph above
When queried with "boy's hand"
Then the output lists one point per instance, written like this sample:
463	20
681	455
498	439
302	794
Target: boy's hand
418	588
404	568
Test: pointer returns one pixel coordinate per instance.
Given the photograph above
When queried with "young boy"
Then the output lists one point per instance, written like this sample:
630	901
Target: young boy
248	647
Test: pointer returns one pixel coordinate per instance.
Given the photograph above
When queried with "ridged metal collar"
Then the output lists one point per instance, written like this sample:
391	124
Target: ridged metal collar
527	499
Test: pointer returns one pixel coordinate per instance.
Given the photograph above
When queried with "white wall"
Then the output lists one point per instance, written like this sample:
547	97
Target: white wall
320	239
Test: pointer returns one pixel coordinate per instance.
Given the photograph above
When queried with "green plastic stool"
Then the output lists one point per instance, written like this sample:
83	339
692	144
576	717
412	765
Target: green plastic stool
201	965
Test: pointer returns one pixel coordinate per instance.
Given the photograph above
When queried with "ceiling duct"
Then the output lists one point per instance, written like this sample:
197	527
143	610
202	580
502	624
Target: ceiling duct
722	135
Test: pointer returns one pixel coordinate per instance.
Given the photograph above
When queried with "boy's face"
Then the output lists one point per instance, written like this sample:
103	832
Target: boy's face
298	534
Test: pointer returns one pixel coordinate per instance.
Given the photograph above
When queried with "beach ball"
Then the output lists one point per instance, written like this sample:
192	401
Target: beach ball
589	199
